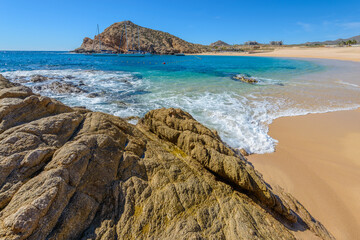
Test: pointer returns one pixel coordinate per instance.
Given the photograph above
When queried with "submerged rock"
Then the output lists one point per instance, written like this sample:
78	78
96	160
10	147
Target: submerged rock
59	87
38	78
96	94
81	83
67	173
93	95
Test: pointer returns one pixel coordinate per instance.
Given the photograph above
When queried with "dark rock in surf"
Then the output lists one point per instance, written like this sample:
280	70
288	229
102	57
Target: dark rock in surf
93	95
38	78
245	79
59	87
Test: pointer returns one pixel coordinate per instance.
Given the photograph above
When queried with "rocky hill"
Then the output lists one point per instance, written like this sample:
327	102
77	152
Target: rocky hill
114	38
219	44
69	173
334	42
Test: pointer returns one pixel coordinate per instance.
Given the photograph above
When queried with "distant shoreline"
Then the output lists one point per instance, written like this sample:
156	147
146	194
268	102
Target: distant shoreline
335	53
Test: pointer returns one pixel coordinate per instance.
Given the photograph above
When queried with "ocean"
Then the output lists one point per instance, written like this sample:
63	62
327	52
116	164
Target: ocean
200	85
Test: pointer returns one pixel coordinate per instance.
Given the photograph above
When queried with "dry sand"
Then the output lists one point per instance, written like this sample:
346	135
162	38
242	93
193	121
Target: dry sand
317	160
340	53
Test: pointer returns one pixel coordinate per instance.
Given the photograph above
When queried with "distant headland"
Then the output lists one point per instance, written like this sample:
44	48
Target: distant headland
125	35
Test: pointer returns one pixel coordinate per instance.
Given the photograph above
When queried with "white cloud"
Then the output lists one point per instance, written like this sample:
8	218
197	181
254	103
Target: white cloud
350	25
305	26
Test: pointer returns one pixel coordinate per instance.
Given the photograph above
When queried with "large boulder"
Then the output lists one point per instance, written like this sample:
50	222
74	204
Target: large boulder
75	174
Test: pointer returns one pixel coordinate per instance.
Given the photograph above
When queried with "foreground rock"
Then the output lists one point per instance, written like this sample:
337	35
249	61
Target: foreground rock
73	174
114	39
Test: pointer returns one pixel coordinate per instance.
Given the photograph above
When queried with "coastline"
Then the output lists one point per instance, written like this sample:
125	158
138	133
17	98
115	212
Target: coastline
73	169
336	53
316	160
343	214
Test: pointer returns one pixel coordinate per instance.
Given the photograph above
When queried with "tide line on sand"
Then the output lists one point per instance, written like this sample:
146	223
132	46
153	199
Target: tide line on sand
317	160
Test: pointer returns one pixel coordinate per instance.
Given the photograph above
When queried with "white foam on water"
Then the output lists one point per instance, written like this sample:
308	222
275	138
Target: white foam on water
241	119
348	83
91	76
111	86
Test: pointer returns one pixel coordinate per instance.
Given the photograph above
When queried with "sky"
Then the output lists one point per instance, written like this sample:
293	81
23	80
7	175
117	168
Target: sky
62	24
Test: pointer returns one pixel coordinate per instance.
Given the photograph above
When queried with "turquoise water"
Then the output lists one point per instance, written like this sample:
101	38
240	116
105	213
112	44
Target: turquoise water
201	85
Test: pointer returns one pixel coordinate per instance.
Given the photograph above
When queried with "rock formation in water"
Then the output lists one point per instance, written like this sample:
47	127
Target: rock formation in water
244	78
114	39
69	173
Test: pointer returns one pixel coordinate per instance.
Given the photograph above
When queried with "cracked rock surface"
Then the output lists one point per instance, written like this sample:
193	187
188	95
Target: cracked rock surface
70	173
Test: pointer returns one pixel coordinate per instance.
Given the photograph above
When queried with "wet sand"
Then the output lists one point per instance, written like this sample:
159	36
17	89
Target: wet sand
317	160
339	53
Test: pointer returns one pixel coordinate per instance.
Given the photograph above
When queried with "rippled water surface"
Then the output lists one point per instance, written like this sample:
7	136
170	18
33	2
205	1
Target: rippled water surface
201	85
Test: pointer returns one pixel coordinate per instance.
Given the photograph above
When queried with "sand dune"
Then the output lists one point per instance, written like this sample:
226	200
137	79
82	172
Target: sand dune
318	160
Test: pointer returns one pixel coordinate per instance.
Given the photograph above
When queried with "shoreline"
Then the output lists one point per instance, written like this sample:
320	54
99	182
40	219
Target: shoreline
74	168
316	160
332	53
299	180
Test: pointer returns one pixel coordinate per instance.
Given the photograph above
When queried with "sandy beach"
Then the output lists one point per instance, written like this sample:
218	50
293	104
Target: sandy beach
317	159
339	53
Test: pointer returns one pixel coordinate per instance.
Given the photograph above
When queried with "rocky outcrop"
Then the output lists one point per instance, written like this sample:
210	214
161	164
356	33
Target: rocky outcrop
114	39
219	44
4	83
246	79
70	173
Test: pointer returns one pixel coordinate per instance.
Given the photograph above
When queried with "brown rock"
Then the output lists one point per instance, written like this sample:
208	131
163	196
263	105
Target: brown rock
202	145
15	92
243	152
4	83
87	175
150	41
245	79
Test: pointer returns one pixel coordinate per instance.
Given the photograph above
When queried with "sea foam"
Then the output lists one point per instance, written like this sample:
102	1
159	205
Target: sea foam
240	112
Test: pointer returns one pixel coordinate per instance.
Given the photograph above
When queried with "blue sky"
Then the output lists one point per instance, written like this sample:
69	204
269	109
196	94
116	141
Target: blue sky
62	24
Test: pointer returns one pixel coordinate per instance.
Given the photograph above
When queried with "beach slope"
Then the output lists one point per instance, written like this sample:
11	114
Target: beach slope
318	161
